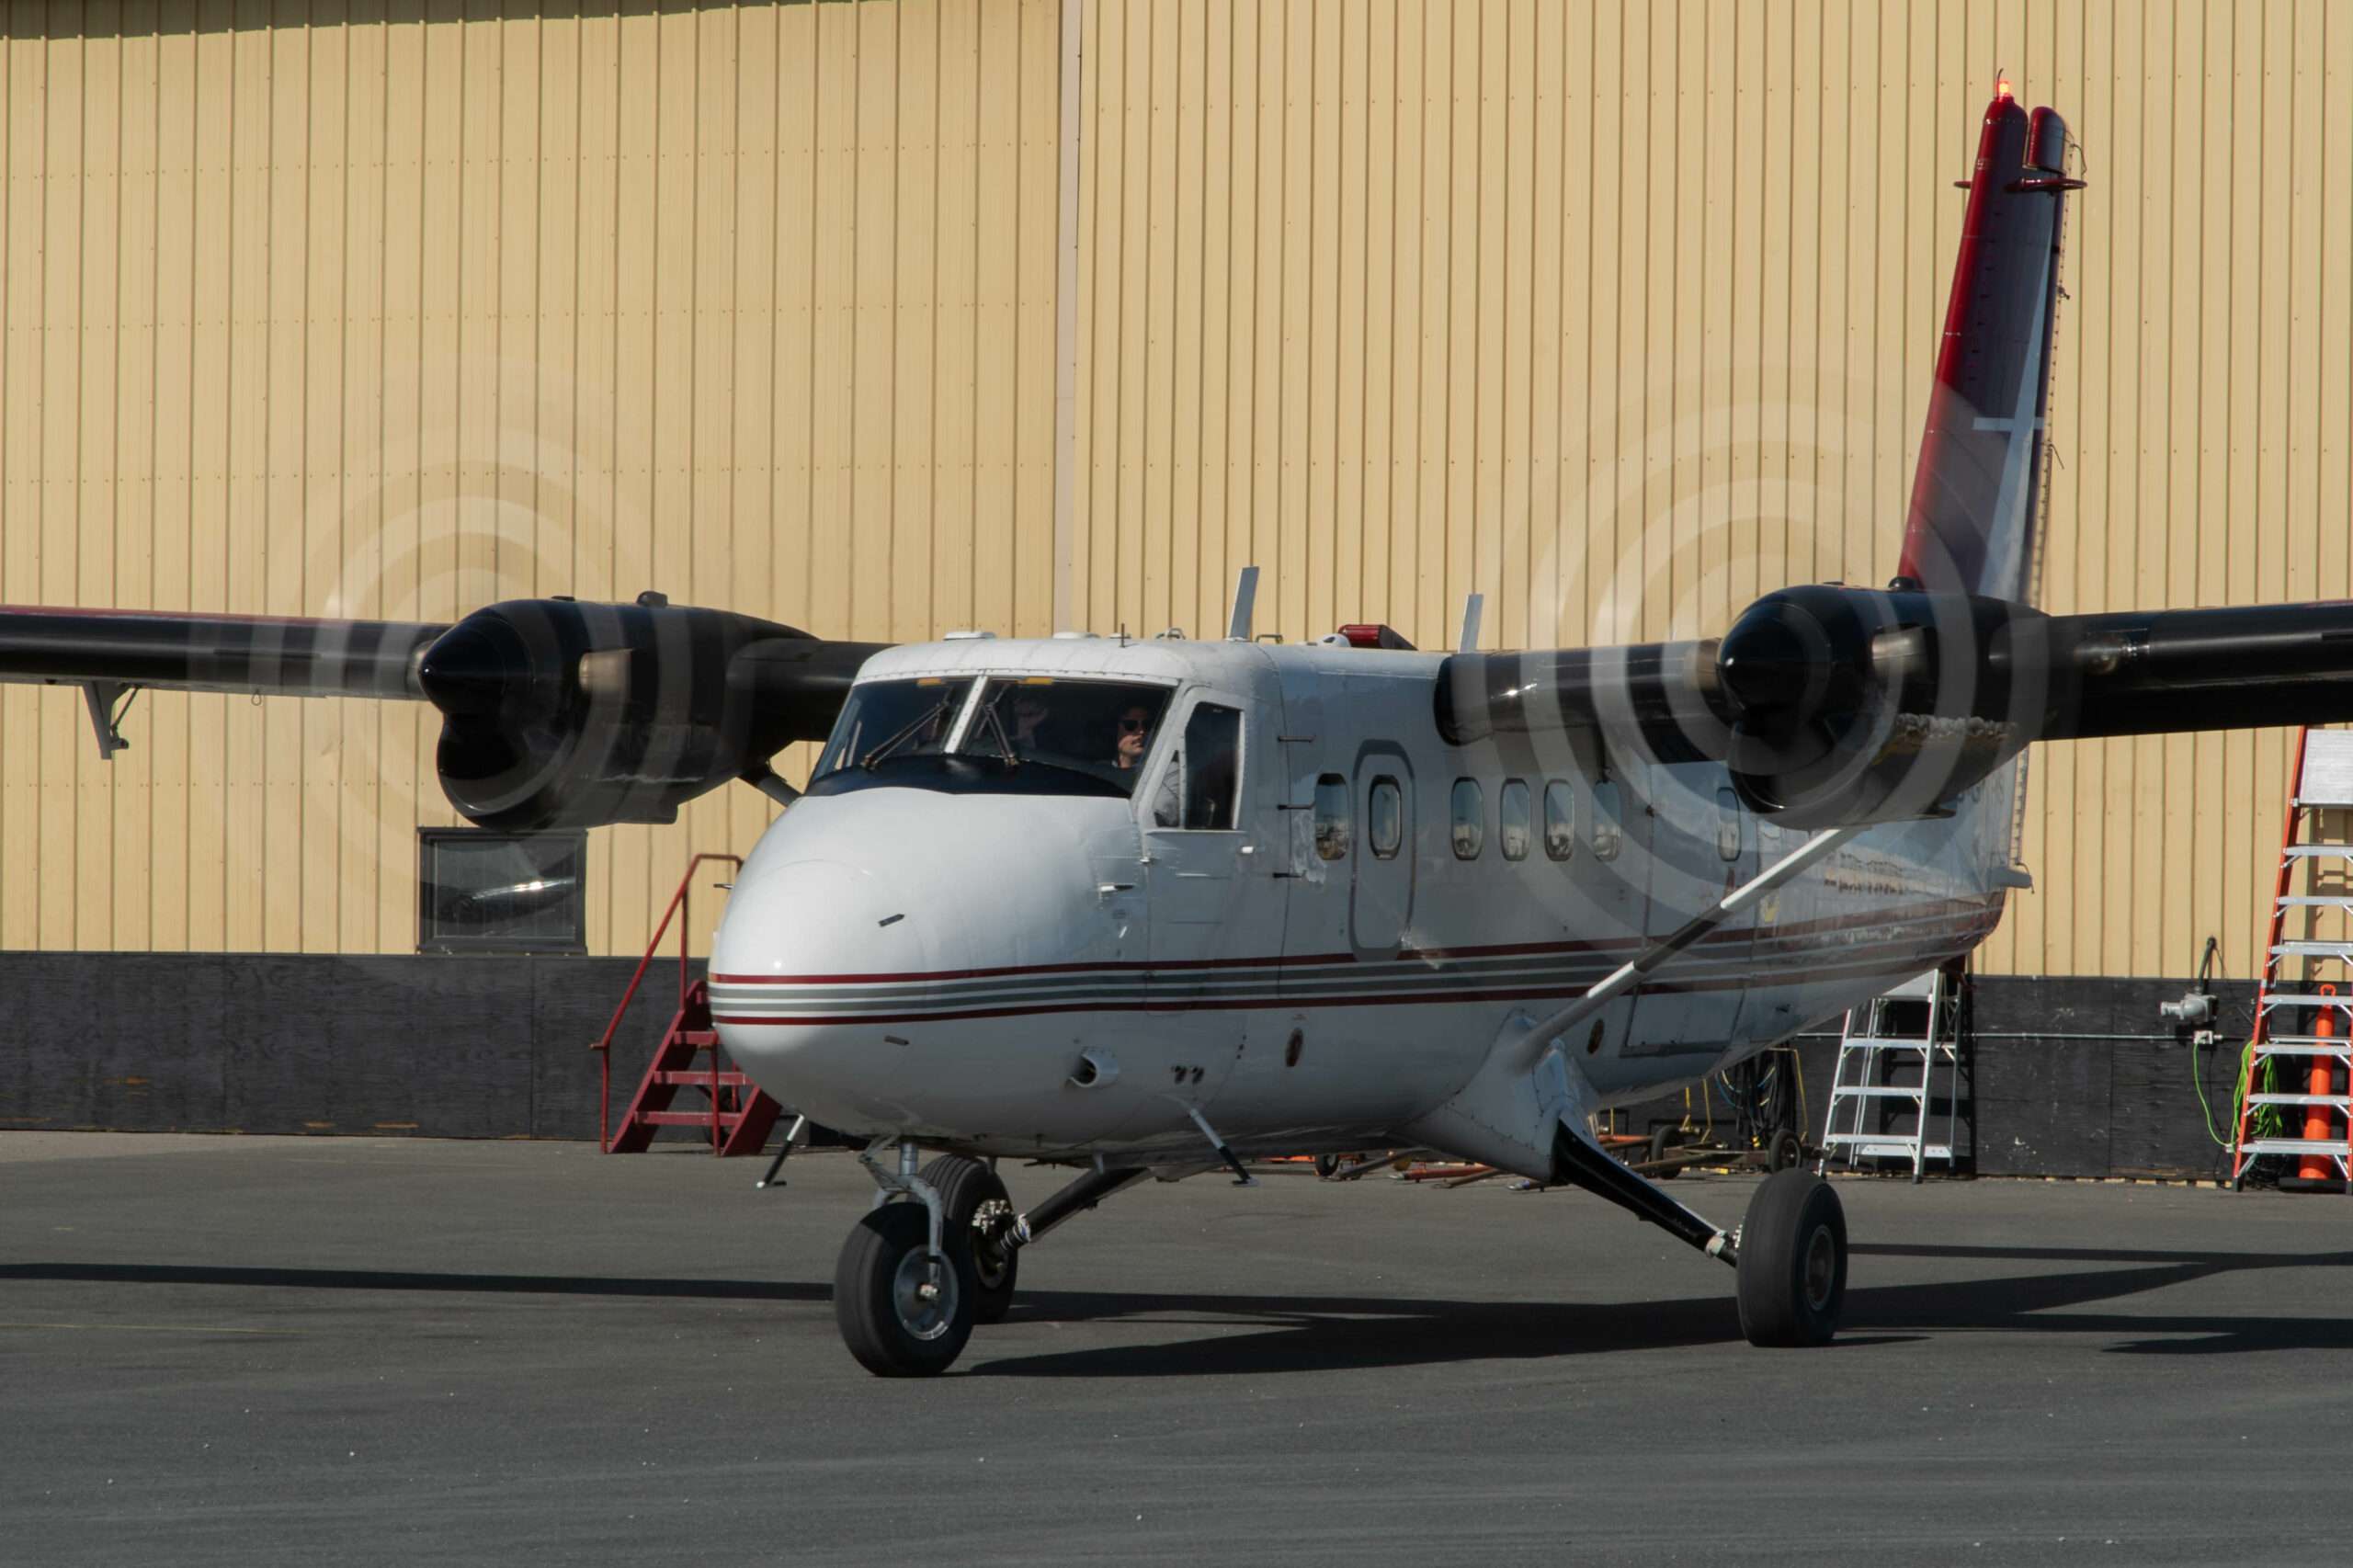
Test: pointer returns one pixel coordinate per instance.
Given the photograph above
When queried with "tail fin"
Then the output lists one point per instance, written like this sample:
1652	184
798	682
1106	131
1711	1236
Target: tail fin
1971	526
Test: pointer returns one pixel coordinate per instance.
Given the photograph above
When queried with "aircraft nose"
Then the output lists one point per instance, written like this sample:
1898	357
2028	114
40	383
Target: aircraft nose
790	927
802	981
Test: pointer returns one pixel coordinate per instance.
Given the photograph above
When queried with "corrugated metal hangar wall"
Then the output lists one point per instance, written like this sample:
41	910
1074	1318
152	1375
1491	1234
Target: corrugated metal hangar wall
1618	312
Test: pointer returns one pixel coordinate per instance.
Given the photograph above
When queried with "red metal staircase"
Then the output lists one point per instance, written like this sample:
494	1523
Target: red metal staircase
739	1114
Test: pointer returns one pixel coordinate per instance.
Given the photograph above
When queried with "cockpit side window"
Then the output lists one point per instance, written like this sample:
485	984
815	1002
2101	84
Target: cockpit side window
1202	787
1333	835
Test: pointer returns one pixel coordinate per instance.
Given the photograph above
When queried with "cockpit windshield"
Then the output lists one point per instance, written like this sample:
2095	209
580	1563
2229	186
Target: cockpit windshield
1030	735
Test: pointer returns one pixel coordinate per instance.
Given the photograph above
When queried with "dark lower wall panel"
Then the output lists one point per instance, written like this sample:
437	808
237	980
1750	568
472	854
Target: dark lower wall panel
2073	1076
276	1043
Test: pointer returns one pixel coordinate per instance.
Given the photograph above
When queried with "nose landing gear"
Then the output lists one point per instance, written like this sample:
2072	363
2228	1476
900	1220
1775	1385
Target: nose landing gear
904	1309
915	1275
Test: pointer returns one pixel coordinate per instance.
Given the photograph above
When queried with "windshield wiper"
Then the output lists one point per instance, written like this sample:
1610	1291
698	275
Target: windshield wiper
1006	754
908	732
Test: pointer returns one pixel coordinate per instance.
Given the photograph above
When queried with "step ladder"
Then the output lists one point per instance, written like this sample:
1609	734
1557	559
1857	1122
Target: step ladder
737	1113
2303	1021
1884	1094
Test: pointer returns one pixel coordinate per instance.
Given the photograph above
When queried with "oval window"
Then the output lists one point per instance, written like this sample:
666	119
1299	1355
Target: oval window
1331	817
1470	809
1728	834
1606	835
1512	831
1559	819
1385	817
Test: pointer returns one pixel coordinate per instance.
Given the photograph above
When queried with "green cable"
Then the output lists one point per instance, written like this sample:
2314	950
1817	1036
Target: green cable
2267	1118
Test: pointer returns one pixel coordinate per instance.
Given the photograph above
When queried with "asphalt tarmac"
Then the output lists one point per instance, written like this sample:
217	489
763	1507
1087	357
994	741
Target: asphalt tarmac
250	1351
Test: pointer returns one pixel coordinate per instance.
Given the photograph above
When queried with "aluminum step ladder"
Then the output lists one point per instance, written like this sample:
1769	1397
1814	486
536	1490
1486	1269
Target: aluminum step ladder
1891	1053
2299	1063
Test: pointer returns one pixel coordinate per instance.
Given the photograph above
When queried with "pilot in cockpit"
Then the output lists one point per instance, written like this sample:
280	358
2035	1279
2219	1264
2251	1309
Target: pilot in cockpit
1134	737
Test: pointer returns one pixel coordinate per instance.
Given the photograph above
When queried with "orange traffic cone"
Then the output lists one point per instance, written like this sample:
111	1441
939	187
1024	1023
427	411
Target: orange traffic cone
2315	1168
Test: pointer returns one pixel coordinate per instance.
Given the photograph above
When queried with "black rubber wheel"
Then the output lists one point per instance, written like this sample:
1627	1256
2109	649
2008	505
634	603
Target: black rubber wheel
976	1208
902	1314
1662	1140
1787	1151
1793	1261
1327	1165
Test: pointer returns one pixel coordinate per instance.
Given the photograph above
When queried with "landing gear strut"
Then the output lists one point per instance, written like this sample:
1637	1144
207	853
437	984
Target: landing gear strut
1791	1250
915	1275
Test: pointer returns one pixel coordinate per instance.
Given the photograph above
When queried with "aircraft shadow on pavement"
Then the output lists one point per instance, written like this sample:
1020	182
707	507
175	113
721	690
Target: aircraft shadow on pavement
1311	1335
400	1279
1325	1333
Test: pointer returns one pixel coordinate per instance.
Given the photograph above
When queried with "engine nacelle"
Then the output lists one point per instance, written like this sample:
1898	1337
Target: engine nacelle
561	714
1851	705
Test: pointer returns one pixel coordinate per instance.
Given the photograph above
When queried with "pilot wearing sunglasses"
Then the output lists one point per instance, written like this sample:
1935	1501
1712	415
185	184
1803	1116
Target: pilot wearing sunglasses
1135	737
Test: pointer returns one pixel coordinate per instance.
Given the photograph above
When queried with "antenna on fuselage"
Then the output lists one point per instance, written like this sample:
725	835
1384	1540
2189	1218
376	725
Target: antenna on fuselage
1246	597
1471	606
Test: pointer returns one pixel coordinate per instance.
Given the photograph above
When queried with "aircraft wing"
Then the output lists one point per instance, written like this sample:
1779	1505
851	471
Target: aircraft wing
555	714
276	654
1833	705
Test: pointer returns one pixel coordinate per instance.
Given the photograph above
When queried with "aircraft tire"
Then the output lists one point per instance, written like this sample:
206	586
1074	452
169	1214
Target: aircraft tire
889	1327
967	1188
1793	1261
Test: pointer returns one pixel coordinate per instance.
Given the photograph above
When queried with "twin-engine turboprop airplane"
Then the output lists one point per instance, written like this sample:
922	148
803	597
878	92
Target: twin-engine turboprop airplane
1157	906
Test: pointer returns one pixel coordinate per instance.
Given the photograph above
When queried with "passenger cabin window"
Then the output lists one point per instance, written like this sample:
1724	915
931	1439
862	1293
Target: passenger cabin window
1202	787
1385	816
1728	824
1607	834
1559	819
1512	832
1470	808
1331	817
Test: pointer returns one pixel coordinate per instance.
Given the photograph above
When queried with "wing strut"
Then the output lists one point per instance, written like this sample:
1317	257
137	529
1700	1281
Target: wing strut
1634	971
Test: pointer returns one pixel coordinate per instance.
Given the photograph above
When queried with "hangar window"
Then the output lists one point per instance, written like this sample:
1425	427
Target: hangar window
1607	834
1470	809
1512	833
1385	811
1331	817
500	893
1559	819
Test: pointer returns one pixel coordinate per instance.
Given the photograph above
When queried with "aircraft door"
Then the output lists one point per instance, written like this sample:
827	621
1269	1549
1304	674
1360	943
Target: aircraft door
1383	900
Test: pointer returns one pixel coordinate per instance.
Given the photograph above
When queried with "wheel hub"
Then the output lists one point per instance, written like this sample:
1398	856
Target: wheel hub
924	1292
1821	1267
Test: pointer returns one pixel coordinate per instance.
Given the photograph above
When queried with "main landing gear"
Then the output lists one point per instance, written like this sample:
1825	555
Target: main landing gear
1791	1250
938	1253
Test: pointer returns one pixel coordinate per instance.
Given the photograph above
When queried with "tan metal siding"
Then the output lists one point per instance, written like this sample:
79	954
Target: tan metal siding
1618	312
348	312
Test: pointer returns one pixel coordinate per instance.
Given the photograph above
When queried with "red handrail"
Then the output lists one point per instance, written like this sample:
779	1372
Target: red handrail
679	904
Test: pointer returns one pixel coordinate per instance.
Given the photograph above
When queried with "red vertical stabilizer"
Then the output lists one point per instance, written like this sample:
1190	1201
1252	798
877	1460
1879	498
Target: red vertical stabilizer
1971	526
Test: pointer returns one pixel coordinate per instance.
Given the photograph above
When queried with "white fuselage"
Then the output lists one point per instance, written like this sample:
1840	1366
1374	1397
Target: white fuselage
1323	973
